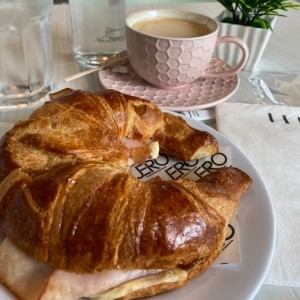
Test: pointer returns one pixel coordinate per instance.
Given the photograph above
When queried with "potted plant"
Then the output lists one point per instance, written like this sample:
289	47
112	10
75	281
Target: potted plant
253	21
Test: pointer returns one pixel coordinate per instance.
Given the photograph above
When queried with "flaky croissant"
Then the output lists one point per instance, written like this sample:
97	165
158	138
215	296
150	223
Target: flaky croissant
67	199
81	126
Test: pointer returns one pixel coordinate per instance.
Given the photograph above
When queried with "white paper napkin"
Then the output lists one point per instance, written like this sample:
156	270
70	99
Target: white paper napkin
269	136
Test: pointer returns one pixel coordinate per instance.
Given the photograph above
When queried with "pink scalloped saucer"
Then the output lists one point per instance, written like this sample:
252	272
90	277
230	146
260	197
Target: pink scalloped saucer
203	93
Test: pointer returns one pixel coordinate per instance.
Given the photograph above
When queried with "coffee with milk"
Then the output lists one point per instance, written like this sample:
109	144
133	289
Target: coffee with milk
171	27
171	48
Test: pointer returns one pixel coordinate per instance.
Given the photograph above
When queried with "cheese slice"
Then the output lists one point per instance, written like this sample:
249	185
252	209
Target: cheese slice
64	285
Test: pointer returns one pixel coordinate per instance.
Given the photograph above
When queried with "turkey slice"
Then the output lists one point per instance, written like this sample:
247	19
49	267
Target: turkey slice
31	280
22	275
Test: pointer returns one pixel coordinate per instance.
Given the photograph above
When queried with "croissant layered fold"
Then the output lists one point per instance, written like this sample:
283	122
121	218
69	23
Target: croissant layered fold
68	200
81	126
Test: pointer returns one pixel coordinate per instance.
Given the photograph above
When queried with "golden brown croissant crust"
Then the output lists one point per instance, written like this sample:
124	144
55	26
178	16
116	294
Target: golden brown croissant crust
68	201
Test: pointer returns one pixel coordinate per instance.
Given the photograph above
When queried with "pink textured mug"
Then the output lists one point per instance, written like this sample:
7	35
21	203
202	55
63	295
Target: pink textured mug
172	48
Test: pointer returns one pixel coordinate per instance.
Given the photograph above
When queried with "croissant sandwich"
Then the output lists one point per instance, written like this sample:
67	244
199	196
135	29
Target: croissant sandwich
75	224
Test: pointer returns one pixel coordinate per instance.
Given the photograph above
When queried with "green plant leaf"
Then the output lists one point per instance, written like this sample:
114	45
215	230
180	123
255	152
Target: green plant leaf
227	20
251	12
261	23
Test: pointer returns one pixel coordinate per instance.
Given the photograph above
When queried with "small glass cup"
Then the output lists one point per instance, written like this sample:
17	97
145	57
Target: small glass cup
98	28
26	75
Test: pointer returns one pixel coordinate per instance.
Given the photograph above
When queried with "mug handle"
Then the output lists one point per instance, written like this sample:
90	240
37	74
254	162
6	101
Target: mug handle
245	53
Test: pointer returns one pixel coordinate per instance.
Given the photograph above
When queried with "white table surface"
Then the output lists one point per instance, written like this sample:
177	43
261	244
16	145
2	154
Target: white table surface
281	56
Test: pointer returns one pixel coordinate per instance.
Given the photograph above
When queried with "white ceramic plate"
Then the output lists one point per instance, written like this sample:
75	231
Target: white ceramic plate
203	93
257	239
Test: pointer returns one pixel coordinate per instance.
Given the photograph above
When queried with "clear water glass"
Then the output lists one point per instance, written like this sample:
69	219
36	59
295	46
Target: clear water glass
98	29
26	75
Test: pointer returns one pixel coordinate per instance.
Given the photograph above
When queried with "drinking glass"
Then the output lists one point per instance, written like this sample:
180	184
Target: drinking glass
98	29
25	52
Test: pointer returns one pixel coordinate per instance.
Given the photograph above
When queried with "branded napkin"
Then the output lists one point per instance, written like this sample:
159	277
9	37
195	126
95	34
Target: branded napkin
170	168
269	135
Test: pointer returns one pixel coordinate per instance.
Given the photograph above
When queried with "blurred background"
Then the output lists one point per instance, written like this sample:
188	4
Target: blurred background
145	1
